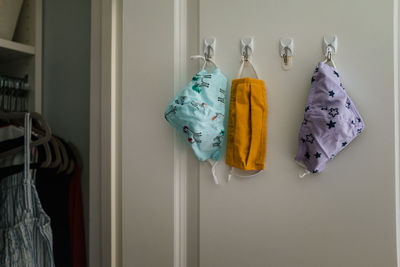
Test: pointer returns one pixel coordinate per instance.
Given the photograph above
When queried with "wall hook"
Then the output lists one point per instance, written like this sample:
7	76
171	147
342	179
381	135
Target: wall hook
329	48
209	47
246	47
286	49
329	45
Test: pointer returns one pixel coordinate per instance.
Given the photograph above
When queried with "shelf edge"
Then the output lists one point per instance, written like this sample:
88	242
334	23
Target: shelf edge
18	47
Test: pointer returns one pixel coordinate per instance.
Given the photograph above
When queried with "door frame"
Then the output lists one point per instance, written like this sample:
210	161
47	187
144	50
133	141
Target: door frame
105	218
396	62
105	130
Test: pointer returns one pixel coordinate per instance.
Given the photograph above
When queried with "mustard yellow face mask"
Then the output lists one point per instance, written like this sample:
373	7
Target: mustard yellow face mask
247	124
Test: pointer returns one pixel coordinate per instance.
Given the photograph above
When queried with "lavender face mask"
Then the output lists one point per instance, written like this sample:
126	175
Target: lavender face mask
331	121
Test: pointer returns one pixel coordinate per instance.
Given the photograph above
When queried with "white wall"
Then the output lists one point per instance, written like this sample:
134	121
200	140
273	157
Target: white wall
66	77
344	216
147	140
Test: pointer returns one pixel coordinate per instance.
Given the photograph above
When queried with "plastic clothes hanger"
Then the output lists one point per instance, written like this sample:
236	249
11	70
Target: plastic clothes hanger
13	118
71	166
48	159
76	156
57	154
64	156
46	147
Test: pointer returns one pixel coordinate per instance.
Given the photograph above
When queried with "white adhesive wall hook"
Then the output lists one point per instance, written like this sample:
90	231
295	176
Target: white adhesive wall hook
329	44
209	47
246	47
329	48
286	50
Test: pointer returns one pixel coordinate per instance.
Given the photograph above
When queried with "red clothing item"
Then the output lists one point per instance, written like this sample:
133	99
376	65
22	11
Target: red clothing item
76	226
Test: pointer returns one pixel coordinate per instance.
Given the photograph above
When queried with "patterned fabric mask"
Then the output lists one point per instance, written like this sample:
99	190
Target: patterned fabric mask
331	120
198	113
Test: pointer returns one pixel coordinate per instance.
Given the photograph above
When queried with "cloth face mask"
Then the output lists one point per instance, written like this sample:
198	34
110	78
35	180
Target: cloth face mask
247	124
331	120
198	113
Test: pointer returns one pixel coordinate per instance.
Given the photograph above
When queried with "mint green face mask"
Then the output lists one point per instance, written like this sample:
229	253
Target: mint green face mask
197	112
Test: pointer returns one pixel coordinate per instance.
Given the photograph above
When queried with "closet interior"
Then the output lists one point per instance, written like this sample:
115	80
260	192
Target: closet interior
42	201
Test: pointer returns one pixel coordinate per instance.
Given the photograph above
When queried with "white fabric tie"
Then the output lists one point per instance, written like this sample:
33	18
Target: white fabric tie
213	165
305	172
243	176
243	61
27	142
205	60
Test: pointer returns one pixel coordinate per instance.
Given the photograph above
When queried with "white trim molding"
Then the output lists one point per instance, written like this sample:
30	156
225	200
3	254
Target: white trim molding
105	132
180	153
396	43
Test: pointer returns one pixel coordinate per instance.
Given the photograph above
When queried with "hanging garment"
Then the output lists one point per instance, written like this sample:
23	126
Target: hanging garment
25	232
76	225
53	191
12	164
331	120
247	123
10	137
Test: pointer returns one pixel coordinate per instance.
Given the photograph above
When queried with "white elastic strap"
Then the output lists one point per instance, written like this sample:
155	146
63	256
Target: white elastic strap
27	141
302	175
243	176
205	60
305	172
333	63
214	170
243	61
27	161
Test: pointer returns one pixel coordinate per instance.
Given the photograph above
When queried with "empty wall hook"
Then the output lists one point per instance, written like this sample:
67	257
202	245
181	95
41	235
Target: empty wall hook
286	50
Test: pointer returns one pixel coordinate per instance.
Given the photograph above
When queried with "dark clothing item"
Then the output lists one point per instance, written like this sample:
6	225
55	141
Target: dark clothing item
53	190
61	198
76	225
11	143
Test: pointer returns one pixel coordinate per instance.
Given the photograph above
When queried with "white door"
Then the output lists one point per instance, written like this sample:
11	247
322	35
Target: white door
344	216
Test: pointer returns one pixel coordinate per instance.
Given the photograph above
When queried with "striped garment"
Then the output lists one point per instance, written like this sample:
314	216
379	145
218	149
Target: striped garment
25	232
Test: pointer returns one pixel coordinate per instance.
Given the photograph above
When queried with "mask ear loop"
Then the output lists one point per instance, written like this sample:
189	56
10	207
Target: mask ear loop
242	176
246	59
205	60
213	165
305	172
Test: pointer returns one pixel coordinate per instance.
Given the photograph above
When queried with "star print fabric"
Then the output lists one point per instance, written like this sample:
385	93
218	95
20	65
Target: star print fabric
331	120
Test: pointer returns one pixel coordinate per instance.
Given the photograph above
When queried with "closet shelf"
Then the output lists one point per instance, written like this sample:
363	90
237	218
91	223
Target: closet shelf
10	50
